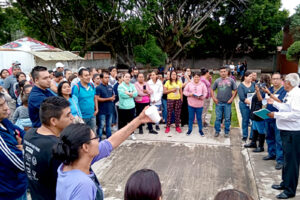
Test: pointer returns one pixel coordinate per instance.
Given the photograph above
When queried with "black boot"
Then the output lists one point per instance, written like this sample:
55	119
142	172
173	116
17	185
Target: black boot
261	141
253	141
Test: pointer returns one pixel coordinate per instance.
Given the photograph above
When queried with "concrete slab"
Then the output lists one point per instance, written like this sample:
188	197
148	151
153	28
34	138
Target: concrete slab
266	175
190	167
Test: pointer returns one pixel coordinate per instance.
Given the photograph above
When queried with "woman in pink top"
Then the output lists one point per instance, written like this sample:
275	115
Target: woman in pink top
206	79
143	99
196	92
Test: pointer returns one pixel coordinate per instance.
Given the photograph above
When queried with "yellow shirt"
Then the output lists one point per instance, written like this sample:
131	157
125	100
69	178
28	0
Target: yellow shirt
173	95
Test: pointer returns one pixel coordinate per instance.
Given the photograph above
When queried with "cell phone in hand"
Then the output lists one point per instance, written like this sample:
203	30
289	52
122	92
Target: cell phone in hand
144	87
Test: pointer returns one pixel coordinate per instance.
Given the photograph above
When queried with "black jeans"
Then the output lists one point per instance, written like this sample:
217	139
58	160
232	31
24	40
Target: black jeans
125	116
291	156
139	108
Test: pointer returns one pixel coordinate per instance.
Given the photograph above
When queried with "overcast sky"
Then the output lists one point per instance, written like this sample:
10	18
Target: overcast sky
290	5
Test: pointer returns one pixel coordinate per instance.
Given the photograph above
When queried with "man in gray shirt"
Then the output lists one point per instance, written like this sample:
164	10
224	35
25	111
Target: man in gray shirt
227	91
11	80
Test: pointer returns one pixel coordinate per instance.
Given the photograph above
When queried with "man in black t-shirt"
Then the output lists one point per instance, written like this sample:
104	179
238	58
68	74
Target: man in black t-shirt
40	167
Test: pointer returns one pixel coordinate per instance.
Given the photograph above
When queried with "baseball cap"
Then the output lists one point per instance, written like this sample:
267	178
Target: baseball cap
58	65
16	63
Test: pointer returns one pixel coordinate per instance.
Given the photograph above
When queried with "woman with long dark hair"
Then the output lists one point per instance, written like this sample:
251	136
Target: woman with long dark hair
258	124
64	90
127	92
173	88
185	79
3	74
78	148
246	90
206	79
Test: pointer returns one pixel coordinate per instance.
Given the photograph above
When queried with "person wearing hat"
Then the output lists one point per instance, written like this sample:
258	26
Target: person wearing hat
59	67
10	81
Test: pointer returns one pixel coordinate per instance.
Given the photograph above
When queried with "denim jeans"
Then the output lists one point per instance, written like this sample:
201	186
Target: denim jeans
105	119
164	109
114	115
91	122
274	141
192	112
223	108
245	111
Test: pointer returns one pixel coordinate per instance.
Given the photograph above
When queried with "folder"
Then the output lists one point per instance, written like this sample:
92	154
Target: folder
262	113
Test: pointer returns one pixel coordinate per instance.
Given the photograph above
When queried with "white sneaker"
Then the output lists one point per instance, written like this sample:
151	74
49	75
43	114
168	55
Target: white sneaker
114	128
133	136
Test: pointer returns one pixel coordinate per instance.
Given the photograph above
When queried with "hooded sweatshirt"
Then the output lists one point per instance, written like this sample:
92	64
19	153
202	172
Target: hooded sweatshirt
195	89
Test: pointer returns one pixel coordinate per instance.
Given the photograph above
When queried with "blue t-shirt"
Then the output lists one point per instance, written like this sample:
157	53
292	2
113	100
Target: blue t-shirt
74	106
86	98
77	185
105	91
36	97
280	95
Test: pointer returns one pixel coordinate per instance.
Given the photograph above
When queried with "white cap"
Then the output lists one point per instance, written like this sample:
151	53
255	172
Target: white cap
59	64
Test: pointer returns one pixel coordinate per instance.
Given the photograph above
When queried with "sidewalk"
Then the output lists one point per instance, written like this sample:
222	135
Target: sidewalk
264	171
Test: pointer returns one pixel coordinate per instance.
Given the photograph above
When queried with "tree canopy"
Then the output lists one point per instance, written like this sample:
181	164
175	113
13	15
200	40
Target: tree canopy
179	28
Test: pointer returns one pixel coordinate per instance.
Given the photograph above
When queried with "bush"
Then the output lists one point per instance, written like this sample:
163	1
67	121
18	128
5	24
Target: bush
293	52
150	53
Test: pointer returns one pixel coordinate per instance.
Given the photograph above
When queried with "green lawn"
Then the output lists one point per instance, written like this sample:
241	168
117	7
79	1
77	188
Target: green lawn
234	119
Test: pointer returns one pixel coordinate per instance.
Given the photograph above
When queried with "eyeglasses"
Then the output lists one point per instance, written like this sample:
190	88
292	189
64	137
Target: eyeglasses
94	138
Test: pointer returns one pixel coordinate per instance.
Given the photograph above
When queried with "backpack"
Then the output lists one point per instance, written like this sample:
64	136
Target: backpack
78	87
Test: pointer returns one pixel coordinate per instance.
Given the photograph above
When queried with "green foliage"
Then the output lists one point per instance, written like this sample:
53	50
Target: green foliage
149	53
11	20
295	24
293	52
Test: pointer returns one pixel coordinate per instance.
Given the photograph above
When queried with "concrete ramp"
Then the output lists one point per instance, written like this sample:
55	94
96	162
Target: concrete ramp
189	167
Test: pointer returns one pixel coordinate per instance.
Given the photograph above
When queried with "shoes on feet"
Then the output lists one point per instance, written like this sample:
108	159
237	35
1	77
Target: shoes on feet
217	134
133	137
167	130
141	131
178	129
226	135
244	139
258	150
153	132
157	128
278	166
282	195
188	133
250	145
268	157
278	187
201	133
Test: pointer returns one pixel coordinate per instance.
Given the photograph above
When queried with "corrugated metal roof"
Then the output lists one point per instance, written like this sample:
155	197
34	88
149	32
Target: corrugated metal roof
63	55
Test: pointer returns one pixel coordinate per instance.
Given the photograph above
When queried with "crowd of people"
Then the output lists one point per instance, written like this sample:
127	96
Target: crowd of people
53	122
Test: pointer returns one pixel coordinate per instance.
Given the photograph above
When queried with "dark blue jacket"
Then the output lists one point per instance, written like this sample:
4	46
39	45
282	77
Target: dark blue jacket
36	97
13	179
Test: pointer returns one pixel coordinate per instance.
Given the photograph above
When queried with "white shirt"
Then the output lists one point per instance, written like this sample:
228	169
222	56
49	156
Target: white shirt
288	116
157	92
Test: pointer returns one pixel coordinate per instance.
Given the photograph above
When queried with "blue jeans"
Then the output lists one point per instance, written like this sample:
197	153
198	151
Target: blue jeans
105	119
114	115
245	111
91	122
259	126
223	108
273	140
192	112
164	109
